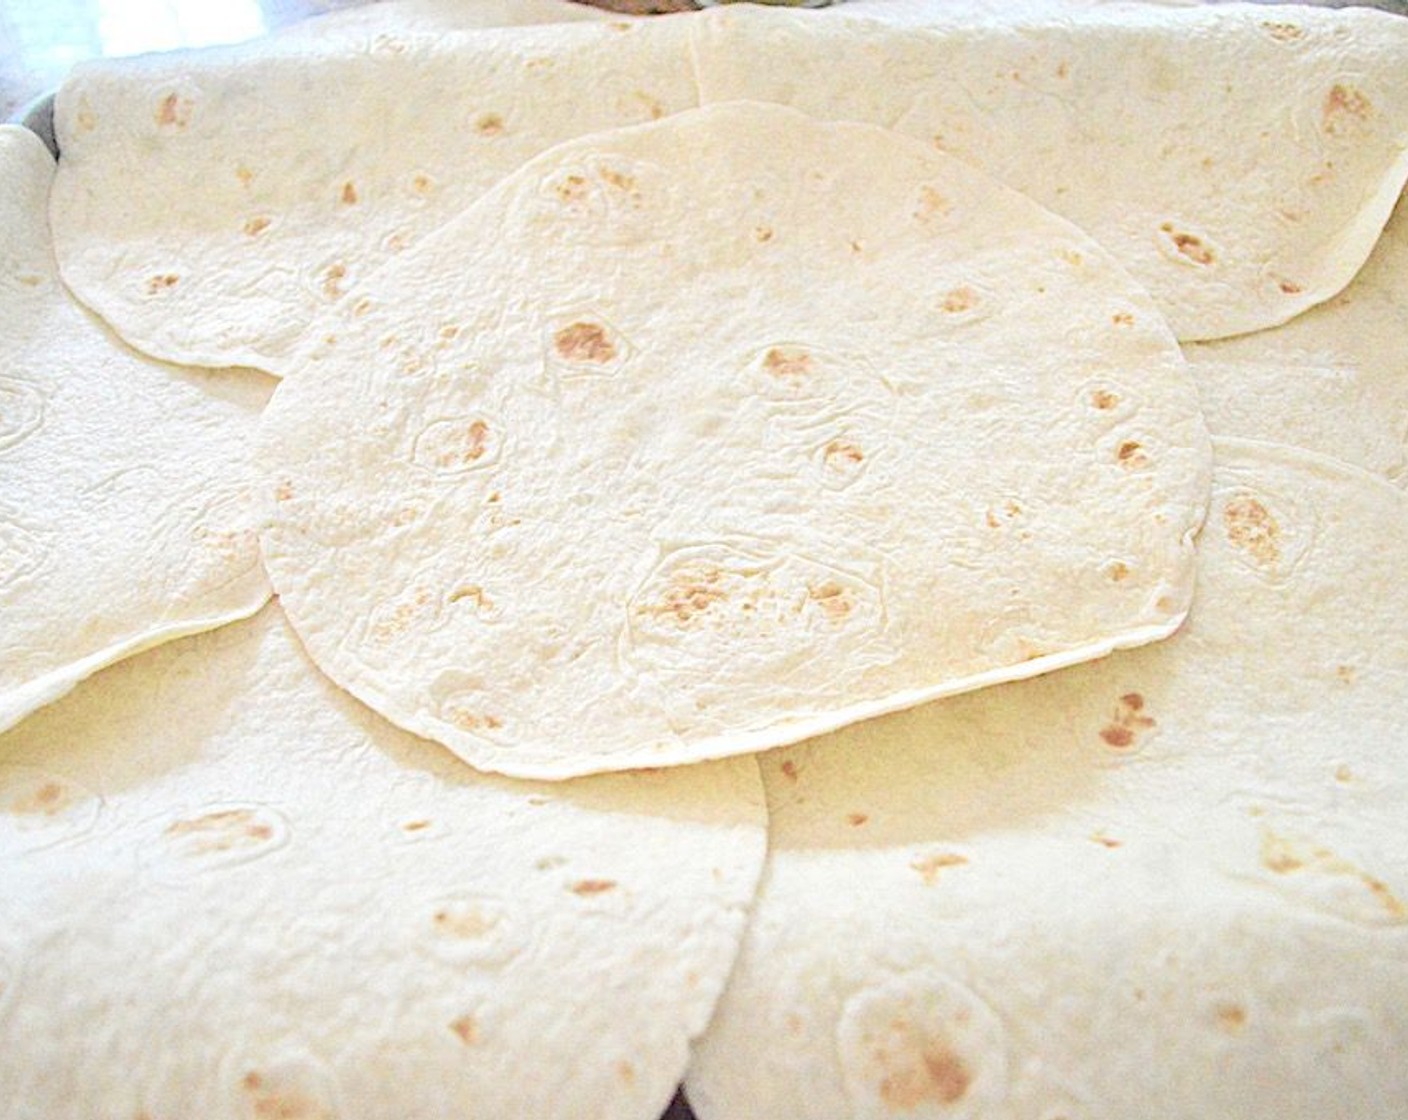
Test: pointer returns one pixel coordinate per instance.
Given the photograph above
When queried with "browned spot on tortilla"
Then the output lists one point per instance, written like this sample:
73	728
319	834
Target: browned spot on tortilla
571	188
788	362
833	599
1386	898
422	183
1189	245
463	922
255	226
467	449
415	826
283	491
473	721
288	1106
1343	105
50	799
1119	571
1230	1017
593	886
692	591
932	204
1133	701
840	452
626	1072
223	830
473	592
172	111
466	1028
490	124
1343	773
349	193
394	624
935	1074
855	820
762	233
1062	69
929	867
1104	400
1279	856
1290	287
1126	722
789	770
793	1023
618	179
1131	454
244	175
1345	673
962	298
584	342
1251	528
1283	32
1117	736
1106	841
1122	319
332	280
162	282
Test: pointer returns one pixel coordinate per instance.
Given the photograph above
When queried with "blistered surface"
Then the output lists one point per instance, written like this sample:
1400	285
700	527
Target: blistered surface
230	891
1177	875
1240	161
250	199
734	463
125	517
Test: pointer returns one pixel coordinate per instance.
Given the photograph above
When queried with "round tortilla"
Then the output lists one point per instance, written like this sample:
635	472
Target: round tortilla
706	436
233	893
1176	876
125	518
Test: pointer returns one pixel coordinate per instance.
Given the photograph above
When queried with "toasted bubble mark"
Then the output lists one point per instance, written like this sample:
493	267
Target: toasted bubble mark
692	590
1252	529
22	406
477	930
855	820
489	124
253	227
1103	399
283	491
216	837
394	618
626	1073
1345	107
1116	571
333	277
1131	455
584	342
1318	877
1106	841
1289	287
473	722
1127	722
586	887
930	867
615	177
466	1029
1230	1018
1283	32
1183	245
921	1046
162	282
840	462
84	119
932	205
348	195
651	105
456	445
39	808
298	1088
422	184
833	599
789	770
474	596
173	111
788	363
245	175
416	826
956	300
762	234
1122	319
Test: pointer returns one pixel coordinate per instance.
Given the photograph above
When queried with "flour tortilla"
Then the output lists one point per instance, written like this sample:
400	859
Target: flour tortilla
210	204
233	892
1334	380
1239	160
716	433
401	17
1176	876
124	494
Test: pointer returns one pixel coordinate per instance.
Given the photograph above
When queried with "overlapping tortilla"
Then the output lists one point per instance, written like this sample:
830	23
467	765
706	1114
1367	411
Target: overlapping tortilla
1173	882
232	892
211	204
124	503
1239	160
1334	380
709	435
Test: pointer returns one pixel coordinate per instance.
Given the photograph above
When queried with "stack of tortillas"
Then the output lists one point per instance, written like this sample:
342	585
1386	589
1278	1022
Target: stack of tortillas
653	393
